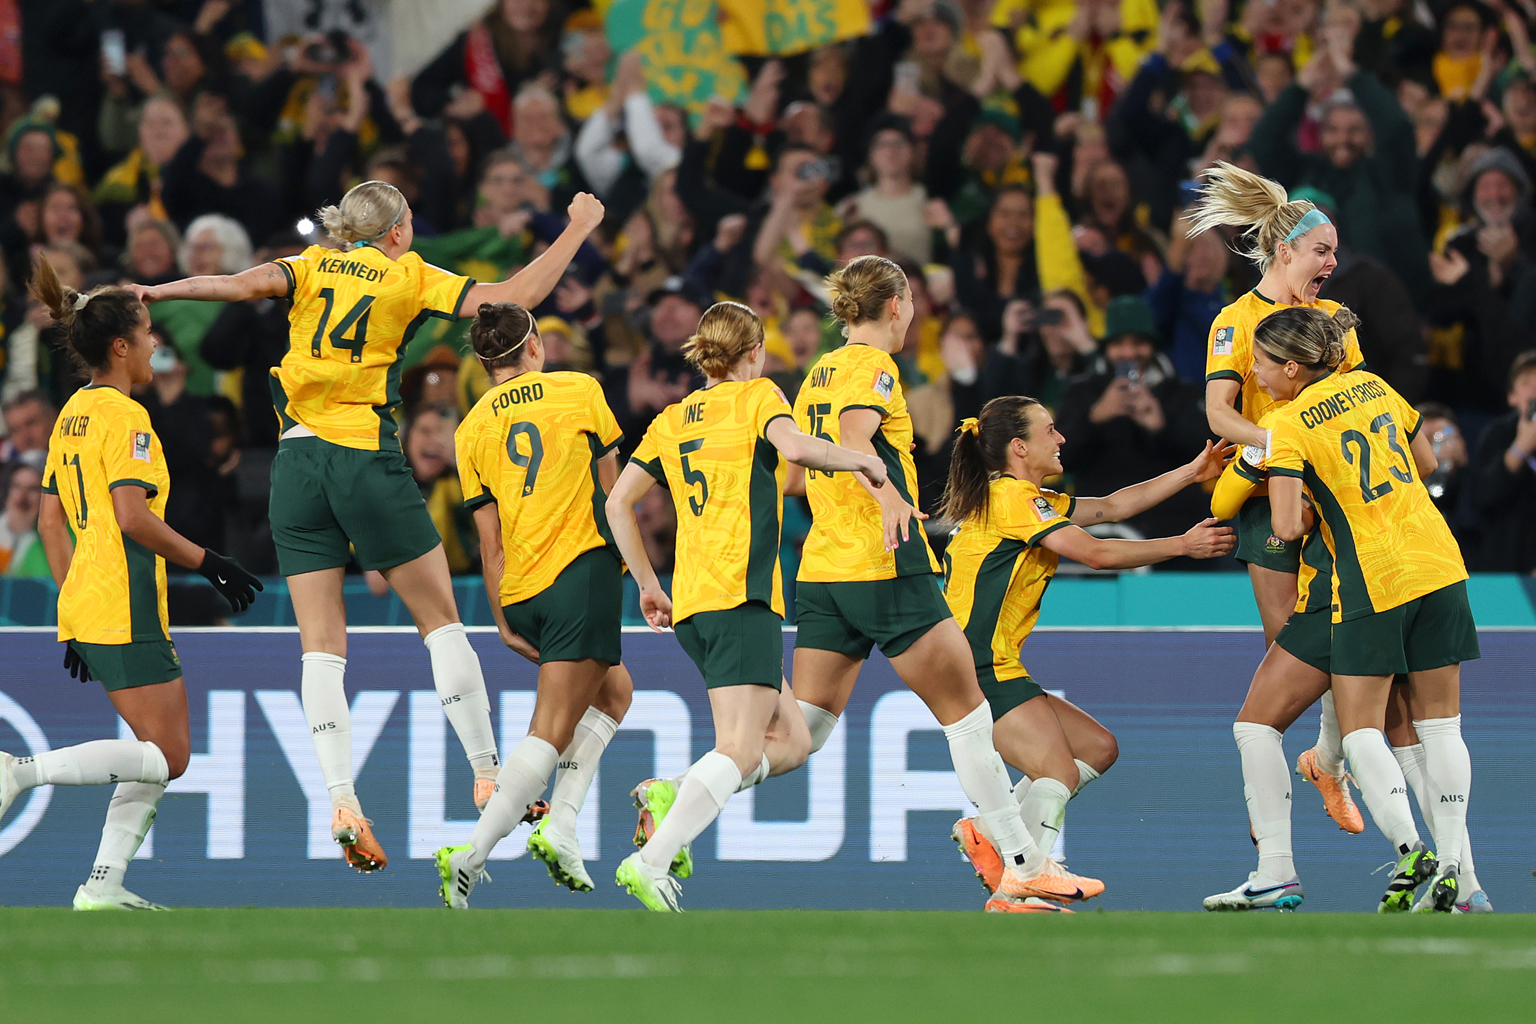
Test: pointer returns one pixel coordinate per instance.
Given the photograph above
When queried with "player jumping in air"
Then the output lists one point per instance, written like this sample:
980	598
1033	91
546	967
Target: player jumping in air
103	528
340	482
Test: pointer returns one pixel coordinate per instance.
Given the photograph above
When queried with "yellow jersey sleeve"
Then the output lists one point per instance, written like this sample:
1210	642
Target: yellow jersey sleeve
438	291
771	404
648	453
604	426
871	385
297	269
1030	514
131	452
466	442
1229	351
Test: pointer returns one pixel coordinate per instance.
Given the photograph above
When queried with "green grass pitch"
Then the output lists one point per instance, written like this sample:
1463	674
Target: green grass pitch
236	966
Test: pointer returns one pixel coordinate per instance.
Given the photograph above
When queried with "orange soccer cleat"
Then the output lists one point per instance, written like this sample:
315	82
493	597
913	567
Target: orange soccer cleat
350	829
1335	789
1051	882
978	849
484	787
1031	905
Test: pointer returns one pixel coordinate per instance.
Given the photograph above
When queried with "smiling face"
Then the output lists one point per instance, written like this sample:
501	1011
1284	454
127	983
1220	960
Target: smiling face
62	219
1042	452
1011	223
1345	136
1308	261
1495	197
1461	33
430	446
1109	193
1281	380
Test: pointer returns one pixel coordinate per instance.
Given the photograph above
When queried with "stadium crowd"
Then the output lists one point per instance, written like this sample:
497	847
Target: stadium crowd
1028	162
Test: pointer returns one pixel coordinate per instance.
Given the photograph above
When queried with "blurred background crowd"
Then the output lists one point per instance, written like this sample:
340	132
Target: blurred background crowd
1028	162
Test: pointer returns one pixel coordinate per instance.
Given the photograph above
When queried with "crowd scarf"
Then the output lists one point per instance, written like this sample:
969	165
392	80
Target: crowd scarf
1455	76
135	179
482	69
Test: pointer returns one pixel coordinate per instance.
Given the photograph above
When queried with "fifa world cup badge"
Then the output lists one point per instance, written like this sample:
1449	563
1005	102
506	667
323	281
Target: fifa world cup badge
141	445
1222	345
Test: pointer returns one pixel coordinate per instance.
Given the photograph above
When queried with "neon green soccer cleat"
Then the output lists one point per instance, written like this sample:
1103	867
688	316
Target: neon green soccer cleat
658	891
113	899
654	798
1417	867
561	854
1441	896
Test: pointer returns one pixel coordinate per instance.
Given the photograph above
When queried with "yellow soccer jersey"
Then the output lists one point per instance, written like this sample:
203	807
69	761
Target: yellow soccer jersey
353	314
712	452
1347	437
531	445
115	590
846	542
1229	352
1246	476
996	572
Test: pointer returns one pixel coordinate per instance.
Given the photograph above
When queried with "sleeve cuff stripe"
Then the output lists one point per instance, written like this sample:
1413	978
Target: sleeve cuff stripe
1285	471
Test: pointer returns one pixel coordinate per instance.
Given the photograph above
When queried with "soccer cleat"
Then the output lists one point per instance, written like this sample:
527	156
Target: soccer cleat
458	881
113	899
1335	790
654	799
978	849
351	830
1258	893
658	891
1028	905
536	813
1417	866
561	853
1440	897
1052	881
1477	903
9	790
484	787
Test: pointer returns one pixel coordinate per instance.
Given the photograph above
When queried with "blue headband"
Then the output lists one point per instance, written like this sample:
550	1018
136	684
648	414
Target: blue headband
401	214
1309	220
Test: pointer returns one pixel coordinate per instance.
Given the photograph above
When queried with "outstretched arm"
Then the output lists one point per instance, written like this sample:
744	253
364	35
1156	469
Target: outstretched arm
532	285
265	281
1137	498
1204	540
633	484
818	453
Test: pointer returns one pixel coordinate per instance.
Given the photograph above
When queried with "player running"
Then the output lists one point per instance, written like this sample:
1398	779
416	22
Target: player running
1296	248
868	576
536	458
1399	584
103	528
340	483
719	453
997	566
1294	672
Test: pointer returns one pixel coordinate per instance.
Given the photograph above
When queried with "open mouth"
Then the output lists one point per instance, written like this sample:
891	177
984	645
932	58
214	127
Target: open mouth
1319	281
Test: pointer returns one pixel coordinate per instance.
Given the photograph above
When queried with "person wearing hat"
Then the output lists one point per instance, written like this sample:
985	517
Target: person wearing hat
1131	417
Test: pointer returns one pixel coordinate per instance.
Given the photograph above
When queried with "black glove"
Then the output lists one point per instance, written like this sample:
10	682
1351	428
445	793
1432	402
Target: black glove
76	664
230	579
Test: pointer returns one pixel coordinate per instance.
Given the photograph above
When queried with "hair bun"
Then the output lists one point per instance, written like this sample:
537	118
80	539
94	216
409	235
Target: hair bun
845	307
486	309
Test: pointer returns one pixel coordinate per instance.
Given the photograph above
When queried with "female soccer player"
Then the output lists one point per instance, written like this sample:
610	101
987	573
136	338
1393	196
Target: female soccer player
868	577
1295	246
718	452
536	460
107	482
1399	584
1294	672
340	482
997	566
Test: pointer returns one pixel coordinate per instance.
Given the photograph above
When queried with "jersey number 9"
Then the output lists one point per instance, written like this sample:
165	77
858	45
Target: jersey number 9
1363	447
535	455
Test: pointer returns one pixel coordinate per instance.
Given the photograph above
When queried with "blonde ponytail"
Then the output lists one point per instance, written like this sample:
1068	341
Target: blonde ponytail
1260	207
365	214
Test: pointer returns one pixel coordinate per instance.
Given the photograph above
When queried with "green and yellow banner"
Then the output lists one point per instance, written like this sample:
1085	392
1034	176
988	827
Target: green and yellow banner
679	43
779	28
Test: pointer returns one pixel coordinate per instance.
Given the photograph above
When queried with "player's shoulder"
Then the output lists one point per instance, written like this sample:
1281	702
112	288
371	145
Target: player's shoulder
1012	497
1328	306
311	254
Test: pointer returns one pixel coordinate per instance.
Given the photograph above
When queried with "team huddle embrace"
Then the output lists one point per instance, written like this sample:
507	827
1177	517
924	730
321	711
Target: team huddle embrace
1356	575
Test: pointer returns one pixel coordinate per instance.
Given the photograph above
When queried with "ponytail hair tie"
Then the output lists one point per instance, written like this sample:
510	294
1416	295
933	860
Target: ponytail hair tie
970	425
81	300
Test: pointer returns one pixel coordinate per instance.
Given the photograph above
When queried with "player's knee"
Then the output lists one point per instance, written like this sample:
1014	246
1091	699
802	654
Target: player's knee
1103	751
177	757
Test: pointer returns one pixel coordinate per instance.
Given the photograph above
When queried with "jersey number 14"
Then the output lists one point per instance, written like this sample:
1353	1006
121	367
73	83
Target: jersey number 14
355	321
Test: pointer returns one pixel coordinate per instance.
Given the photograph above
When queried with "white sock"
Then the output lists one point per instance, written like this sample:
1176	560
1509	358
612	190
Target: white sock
1448	766
1330	747
129	817
324	694
1411	760
577	765
1267	790
755	776
820	721
984	779
519	784
97	763
705	789
1043	810
461	690
1085	775
1383	786
1021	790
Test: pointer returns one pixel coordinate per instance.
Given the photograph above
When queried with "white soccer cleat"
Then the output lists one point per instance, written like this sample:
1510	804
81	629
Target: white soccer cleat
657	890
1477	903
9	788
561	853
1259	893
458	881
116	898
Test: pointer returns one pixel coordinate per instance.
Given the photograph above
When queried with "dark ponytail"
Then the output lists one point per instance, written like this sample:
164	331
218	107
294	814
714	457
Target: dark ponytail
980	451
88	322
500	334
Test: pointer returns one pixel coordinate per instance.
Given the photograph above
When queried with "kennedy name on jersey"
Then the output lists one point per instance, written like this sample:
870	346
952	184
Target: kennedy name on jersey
1340	402
349	268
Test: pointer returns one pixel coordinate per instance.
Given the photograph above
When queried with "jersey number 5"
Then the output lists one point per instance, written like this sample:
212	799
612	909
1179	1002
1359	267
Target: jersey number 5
535	455
1363	447
356	321
692	476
